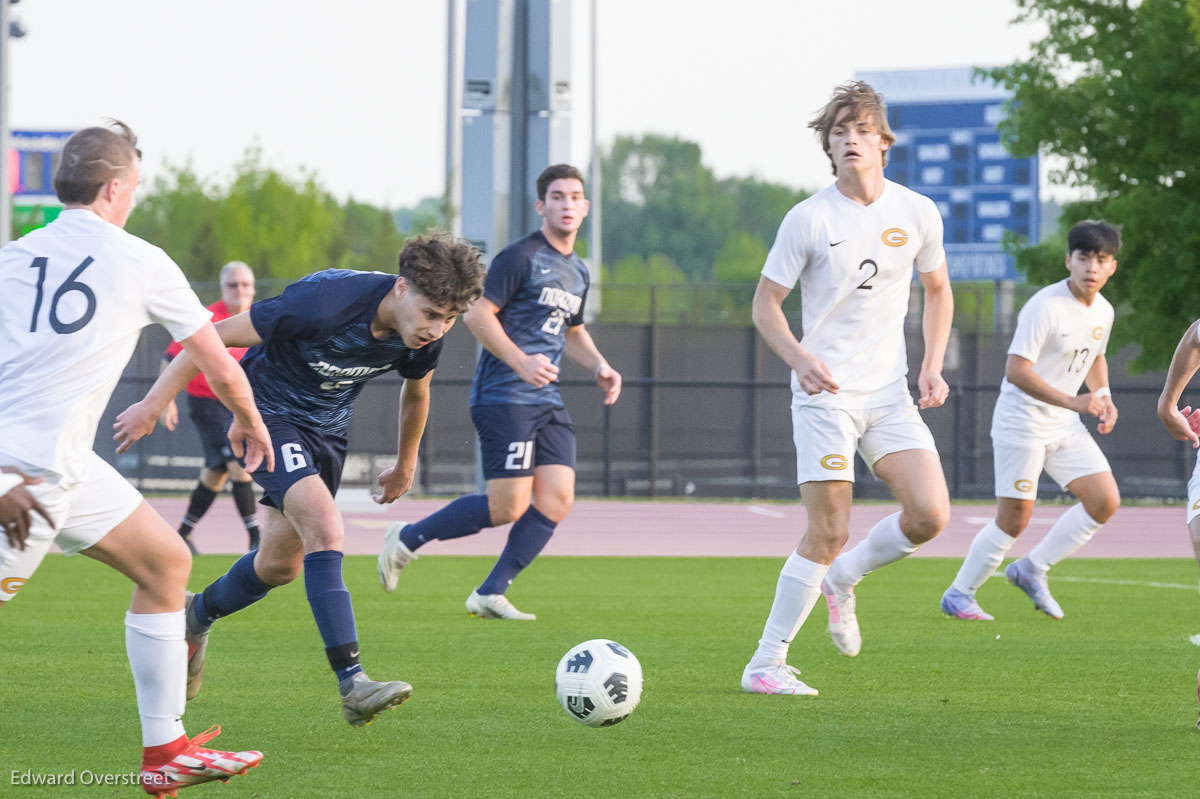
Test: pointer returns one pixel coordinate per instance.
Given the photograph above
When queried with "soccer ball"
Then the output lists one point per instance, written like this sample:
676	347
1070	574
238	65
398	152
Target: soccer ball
599	682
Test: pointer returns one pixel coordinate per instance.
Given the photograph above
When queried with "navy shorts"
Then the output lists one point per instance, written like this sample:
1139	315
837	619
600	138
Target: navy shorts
299	452
513	439
212	420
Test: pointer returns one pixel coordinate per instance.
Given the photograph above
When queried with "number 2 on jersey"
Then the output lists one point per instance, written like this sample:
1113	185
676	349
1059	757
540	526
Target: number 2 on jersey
866	284
69	285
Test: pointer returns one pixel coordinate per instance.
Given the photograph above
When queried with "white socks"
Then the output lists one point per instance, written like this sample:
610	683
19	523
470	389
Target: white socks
883	545
795	595
158	658
1072	530
984	557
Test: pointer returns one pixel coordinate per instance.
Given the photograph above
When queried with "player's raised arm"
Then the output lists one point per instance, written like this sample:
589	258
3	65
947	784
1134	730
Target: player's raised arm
414	411
814	376
1184	363
482	320
581	349
935	328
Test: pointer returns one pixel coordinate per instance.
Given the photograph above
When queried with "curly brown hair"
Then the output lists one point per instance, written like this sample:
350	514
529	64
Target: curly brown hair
447	271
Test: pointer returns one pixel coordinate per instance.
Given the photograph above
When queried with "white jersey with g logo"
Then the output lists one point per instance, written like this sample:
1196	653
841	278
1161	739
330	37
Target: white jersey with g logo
74	296
854	264
1062	337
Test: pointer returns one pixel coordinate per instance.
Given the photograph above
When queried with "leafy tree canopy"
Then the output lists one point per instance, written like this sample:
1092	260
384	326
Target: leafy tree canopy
1114	91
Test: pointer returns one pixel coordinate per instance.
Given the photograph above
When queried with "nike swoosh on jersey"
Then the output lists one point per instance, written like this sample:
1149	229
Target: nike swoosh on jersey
835	243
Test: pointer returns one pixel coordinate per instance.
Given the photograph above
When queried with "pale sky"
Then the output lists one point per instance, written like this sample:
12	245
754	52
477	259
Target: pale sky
355	90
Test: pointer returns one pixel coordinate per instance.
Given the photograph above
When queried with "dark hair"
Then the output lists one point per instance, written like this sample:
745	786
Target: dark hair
862	100
1094	236
556	172
446	271
91	158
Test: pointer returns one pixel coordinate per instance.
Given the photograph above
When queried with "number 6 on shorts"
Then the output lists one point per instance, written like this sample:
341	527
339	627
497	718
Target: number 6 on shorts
293	457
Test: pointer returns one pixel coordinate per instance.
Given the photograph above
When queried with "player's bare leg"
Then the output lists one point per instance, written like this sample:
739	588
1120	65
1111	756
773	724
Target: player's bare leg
1099	500
148	551
916	480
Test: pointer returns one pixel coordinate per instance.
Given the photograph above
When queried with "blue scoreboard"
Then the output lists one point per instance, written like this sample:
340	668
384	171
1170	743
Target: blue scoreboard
947	148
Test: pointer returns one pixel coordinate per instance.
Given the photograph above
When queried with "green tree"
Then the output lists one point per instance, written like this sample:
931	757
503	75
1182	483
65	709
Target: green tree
659	198
177	214
282	229
632	284
1114	91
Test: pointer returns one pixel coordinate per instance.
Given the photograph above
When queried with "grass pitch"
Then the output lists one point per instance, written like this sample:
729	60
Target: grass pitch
1102	703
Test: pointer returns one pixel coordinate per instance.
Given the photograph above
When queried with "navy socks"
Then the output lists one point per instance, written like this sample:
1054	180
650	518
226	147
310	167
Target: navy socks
526	539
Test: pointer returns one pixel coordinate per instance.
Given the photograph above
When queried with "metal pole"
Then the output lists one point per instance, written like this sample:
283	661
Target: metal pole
5	197
453	192
595	230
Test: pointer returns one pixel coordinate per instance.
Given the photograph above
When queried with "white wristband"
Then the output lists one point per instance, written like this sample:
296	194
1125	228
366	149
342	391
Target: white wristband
1103	391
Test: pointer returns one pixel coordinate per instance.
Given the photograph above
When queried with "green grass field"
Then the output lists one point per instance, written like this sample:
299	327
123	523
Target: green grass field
1103	703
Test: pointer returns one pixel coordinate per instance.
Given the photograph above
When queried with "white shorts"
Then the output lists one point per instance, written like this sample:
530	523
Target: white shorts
827	438
1019	465
83	513
1194	493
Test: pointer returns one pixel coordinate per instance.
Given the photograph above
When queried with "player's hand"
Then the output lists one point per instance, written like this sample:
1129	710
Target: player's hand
609	380
170	416
252	444
16	507
1107	416
814	376
135	422
933	388
537	370
1182	425
1088	404
395	482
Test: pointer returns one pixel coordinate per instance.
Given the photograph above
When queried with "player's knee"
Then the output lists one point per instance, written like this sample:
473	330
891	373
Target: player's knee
1105	506
927	523
276	572
504	512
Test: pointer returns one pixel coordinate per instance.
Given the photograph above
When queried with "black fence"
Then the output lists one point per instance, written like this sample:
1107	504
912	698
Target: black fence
704	412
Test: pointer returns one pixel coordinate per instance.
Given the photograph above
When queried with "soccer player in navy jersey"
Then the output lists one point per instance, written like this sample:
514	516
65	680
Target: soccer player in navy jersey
314	347
530	313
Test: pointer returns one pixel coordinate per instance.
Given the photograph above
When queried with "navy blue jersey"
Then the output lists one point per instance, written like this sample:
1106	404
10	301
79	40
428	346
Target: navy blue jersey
317	350
540	293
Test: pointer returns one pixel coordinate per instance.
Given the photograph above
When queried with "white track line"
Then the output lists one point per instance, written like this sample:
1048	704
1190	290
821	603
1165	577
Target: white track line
1107	581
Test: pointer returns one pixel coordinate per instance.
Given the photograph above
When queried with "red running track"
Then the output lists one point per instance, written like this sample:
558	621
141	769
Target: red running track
714	529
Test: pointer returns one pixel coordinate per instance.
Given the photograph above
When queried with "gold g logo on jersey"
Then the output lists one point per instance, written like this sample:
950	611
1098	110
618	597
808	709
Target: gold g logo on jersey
1196	505
1097	333
894	237
11	585
834	462
1023	485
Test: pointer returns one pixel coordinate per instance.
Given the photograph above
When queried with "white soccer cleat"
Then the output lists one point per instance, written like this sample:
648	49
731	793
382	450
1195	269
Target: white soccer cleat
394	557
775	678
494	606
843	623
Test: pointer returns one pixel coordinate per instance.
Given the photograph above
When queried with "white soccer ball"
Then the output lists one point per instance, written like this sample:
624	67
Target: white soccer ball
599	682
